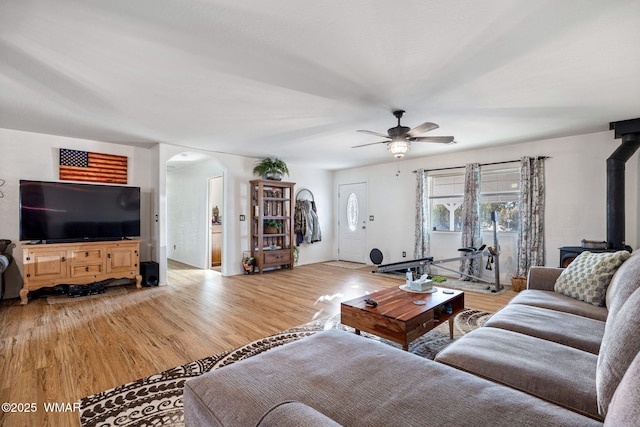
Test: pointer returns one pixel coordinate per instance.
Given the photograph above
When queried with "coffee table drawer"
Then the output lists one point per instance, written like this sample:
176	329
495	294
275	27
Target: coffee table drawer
420	325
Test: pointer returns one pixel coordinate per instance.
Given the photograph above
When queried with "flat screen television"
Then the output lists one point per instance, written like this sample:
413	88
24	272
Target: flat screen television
67	212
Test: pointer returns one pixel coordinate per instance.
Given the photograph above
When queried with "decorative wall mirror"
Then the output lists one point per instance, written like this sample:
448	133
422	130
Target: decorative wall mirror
305	194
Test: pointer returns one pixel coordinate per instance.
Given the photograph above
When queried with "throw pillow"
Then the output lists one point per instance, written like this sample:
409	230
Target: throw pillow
588	276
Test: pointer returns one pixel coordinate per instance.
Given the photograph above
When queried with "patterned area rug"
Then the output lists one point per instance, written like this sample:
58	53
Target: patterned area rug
157	400
480	287
463	285
346	264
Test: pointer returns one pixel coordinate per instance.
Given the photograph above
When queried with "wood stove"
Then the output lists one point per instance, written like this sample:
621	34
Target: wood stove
569	253
629	132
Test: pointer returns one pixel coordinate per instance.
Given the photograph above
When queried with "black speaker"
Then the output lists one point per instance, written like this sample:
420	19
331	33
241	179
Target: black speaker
150	272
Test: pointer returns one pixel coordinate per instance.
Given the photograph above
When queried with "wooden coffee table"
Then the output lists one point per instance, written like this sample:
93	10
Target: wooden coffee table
397	317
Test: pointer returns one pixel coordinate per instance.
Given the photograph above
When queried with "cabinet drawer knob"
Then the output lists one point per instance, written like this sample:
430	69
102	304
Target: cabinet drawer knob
86	269
86	254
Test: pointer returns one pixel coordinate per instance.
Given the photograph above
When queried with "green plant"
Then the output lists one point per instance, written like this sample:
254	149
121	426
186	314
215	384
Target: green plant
271	168
272	223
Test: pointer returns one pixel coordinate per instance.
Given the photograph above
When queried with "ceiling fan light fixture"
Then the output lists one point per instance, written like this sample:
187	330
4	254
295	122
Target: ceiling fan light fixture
398	148
399	138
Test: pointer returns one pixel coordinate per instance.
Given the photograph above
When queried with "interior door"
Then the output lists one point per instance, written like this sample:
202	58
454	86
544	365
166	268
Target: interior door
352	222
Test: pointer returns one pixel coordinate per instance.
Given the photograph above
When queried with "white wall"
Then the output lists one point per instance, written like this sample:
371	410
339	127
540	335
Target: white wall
320	183
34	156
575	202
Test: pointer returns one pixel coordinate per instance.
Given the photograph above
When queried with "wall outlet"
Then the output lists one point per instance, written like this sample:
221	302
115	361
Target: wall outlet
404	254
242	217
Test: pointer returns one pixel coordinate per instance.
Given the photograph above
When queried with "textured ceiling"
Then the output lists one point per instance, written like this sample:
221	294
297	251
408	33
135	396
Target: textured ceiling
296	79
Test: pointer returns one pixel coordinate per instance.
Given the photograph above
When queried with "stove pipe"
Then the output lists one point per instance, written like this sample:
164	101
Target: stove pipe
629	131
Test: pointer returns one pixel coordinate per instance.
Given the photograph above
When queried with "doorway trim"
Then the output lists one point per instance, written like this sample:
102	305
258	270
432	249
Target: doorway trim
222	213
360	227
165	155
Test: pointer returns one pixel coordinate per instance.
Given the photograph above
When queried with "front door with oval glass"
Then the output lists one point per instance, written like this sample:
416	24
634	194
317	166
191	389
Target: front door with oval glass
352	222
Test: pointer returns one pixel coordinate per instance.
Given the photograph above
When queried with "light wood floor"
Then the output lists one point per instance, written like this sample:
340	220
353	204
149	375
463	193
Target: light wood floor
63	352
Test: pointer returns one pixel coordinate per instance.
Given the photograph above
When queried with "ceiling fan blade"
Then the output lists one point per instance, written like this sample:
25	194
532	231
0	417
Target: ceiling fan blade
371	143
374	133
438	139
419	130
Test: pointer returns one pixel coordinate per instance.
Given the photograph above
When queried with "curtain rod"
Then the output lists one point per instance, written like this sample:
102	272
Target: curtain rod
481	164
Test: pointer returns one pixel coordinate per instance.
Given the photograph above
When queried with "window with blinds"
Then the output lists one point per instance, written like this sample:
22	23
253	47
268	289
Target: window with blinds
499	191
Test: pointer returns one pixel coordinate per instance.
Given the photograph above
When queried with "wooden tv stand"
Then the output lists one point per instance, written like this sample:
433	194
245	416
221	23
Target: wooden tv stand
82	263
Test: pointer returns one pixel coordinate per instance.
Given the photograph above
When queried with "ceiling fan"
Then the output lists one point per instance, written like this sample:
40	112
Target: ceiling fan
400	137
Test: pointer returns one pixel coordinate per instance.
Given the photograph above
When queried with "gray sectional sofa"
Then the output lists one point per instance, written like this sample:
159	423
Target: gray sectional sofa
546	359
556	347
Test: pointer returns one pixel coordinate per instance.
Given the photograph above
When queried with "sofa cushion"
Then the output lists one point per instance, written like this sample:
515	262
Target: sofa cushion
357	381
295	414
624	409
620	345
543	278
624	283
554	372
569	329
588	276
559	302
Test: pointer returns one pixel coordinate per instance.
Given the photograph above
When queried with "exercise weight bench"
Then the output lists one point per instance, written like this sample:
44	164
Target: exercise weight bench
422	265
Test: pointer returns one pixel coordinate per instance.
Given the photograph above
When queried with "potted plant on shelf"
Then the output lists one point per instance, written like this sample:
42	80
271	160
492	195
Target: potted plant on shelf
271	168
272	226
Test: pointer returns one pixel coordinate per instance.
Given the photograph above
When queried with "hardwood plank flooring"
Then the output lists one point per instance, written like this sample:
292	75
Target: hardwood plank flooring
63	352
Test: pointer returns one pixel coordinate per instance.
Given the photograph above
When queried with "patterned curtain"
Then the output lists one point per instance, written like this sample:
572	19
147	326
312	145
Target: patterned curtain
471	219
421	248
531	232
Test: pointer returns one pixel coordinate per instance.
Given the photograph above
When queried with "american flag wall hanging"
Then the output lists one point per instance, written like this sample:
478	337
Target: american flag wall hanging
78	165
